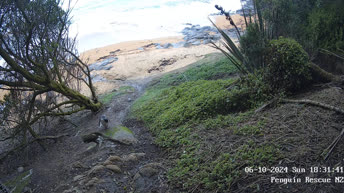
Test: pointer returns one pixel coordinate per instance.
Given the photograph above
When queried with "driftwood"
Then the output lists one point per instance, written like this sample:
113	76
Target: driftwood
274	101
314	103
55	138
92	137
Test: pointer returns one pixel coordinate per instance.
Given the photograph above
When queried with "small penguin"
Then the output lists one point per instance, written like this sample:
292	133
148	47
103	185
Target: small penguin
103	122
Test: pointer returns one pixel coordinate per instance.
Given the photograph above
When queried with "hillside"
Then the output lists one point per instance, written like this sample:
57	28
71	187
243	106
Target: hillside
190	151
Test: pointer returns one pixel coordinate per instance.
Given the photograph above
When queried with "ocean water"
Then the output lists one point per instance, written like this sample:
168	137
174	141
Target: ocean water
98	23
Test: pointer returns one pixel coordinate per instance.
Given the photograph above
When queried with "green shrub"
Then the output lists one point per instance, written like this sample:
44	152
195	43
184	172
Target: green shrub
287	66
326	26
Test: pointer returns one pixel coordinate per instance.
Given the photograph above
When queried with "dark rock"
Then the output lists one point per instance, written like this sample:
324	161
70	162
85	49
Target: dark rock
167	62
196	34
168	45
158	46
196	43
114	52
215	37
98	78
206	41
102	65
179	44
206	28
149	45
196	26
142	49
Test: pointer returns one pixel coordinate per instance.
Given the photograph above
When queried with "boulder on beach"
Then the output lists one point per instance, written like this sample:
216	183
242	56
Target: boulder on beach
196	34
98	78
103	65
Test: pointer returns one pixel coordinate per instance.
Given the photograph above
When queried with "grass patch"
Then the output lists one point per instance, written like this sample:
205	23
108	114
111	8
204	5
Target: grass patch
212	67
197	118
248	129
190	101
106	98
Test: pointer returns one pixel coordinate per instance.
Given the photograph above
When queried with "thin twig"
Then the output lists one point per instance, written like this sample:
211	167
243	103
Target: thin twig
333	144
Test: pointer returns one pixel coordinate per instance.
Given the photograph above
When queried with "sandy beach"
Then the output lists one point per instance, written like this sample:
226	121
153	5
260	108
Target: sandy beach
140	59
133	63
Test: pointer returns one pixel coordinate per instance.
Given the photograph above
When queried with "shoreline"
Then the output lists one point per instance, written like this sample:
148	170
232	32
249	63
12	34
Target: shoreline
219	20
137	59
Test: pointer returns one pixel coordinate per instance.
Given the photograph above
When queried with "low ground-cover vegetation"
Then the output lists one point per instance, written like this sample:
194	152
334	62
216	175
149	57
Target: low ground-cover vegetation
193	119
106	98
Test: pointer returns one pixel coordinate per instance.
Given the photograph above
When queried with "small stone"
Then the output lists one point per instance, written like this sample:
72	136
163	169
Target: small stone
114	158
137	175
79	165
129	158
114	168
78	177
149	171
92	182
96	169
20	169
140	155
107	162
82	182
168	45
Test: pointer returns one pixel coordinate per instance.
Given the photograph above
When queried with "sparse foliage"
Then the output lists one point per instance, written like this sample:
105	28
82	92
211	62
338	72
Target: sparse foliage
40	65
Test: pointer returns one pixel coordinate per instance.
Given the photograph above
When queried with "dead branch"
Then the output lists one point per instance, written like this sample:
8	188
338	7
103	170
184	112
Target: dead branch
92	137
333	144
314	103
55	138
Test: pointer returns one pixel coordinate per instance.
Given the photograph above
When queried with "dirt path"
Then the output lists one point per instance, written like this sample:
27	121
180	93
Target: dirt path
70	165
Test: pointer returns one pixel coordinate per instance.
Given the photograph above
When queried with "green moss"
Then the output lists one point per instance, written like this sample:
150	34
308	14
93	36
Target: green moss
106	98
111	132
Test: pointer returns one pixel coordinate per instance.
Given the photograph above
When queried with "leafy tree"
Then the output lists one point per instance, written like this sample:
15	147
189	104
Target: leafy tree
40	65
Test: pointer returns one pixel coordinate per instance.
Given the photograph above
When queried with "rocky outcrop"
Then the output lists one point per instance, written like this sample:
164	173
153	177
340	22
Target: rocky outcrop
104	64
